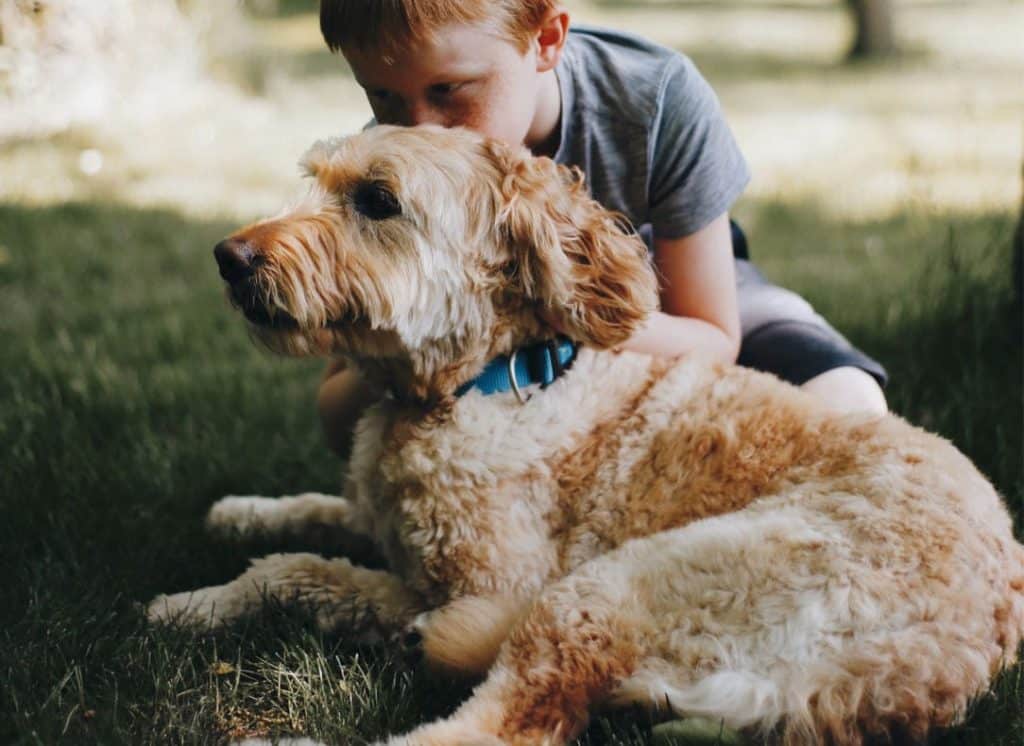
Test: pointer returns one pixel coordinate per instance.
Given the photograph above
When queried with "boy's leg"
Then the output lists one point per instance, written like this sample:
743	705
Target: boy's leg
342	397
782	334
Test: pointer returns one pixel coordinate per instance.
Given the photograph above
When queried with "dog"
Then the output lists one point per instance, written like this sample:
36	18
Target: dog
681	534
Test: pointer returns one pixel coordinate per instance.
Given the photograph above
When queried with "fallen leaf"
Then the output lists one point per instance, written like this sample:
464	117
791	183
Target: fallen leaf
222	668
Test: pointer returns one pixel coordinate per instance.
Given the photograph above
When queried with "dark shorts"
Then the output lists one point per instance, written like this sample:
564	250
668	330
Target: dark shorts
782	333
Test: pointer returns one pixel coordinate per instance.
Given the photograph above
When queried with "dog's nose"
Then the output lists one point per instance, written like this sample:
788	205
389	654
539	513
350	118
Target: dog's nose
235	259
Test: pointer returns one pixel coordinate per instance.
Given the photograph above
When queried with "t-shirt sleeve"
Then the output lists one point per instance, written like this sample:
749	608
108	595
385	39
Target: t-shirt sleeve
697	169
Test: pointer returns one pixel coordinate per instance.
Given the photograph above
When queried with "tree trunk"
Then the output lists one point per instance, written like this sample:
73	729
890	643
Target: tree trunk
1018	256
876	36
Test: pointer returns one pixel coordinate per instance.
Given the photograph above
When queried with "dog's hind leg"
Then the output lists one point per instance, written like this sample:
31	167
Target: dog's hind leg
371	604
571	649
779	619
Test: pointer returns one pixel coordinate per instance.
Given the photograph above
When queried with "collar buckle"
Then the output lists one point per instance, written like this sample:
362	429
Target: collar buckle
512	379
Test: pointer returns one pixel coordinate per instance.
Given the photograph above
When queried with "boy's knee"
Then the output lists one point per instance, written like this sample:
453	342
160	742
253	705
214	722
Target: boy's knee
847	389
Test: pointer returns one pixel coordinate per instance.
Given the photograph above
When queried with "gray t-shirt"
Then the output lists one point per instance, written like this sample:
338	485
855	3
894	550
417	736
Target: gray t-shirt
648	132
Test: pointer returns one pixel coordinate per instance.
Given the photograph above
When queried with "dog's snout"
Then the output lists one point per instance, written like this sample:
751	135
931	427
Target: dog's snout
235	258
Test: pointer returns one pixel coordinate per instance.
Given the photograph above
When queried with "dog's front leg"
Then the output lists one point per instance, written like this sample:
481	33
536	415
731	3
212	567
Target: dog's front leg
463	636
370	604
311	517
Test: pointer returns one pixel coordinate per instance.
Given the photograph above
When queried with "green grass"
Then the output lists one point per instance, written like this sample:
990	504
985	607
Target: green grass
131	398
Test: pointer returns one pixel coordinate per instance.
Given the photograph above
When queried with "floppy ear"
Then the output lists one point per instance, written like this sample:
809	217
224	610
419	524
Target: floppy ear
322	162
573	256
315	160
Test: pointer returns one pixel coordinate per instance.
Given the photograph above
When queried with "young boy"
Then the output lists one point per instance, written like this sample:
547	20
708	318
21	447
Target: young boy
647	131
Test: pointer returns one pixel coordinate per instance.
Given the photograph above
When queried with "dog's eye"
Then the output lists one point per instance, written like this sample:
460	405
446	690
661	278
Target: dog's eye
374	200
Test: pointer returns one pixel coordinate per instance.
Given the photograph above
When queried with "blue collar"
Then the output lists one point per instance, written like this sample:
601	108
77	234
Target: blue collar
540	363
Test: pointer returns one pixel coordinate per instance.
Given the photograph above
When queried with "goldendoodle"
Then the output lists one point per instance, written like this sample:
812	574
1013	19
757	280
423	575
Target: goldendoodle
586	526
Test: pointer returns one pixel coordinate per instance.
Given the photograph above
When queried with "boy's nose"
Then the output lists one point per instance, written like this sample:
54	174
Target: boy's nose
422	113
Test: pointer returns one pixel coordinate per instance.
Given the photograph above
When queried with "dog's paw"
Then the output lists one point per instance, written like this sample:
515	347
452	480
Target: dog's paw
191	609
410	641
169	609
237	515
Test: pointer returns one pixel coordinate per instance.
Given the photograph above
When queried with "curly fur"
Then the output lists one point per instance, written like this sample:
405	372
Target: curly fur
681	535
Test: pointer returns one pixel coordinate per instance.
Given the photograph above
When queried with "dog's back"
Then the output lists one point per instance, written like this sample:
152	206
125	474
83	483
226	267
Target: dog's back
760	561
626	446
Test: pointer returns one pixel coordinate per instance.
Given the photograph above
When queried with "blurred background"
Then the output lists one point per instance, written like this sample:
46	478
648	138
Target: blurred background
885	139
207	106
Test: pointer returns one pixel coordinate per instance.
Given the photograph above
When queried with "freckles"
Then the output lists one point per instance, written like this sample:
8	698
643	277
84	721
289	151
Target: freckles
474	116
475	119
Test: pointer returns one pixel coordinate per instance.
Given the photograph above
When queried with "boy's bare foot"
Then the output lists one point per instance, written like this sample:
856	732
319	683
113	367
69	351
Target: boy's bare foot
847	390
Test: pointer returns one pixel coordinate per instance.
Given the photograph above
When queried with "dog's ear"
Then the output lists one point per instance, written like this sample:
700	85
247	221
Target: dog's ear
591	275
316	160
324	160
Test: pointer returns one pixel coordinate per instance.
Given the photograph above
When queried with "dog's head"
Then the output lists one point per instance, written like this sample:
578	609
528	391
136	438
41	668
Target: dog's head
422	253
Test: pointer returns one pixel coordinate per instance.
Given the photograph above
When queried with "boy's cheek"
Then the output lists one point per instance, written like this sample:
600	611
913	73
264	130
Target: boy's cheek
499	117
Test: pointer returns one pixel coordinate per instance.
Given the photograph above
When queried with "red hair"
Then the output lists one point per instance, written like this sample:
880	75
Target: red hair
390	25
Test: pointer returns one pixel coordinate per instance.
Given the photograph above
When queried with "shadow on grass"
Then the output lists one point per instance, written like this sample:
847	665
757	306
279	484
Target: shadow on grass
132	398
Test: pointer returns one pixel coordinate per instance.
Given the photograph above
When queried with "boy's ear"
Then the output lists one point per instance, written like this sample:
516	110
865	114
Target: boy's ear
574	258
551	37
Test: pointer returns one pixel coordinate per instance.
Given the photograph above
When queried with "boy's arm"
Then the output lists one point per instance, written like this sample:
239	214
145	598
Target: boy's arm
698	297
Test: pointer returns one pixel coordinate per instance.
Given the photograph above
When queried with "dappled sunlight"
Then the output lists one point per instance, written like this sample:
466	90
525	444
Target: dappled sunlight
236	156
936	129
940	128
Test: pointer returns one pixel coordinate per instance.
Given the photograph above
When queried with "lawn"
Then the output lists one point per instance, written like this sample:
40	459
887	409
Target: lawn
131	396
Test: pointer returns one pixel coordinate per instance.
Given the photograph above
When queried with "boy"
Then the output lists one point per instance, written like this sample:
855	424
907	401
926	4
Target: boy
647	131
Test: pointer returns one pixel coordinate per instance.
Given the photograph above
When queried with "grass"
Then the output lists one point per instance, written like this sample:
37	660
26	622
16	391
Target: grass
132	398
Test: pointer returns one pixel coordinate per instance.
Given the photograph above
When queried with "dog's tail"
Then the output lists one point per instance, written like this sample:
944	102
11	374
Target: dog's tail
464	636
